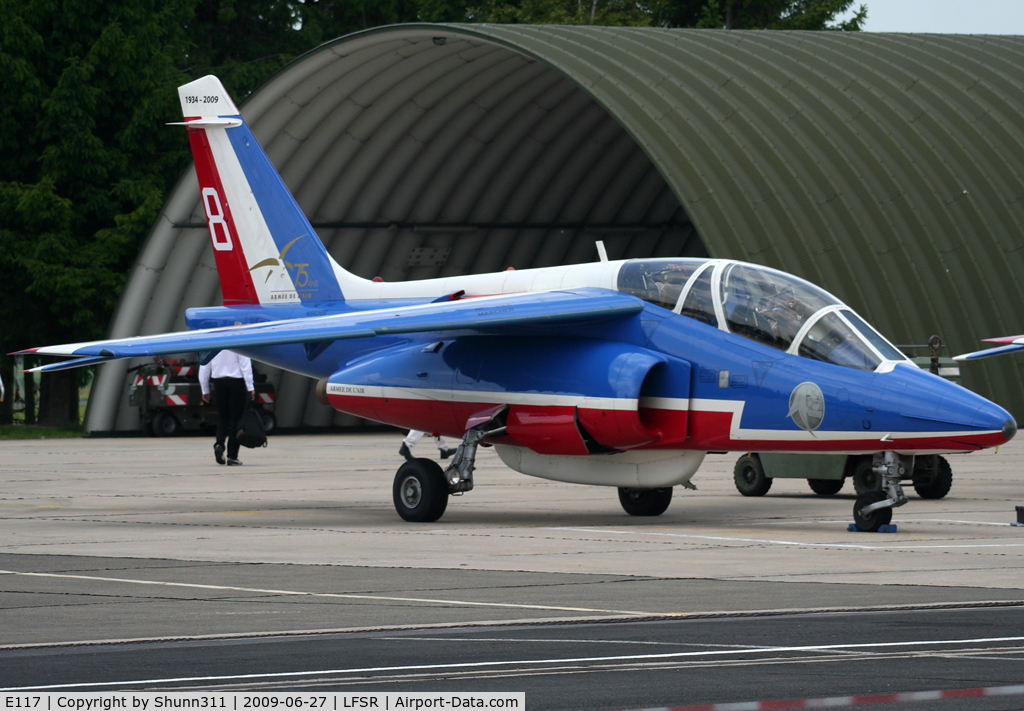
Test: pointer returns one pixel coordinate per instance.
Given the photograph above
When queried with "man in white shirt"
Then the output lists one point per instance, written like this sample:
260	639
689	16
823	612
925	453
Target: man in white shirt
232	377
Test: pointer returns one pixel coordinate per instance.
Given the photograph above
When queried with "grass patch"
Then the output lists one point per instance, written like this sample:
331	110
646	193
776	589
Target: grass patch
37	432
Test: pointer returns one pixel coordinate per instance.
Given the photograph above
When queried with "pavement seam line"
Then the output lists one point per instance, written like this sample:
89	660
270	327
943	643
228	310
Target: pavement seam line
524	662
769	541
343	596
527	622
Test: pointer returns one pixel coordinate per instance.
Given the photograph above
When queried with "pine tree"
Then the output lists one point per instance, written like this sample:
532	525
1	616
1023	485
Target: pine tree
84	162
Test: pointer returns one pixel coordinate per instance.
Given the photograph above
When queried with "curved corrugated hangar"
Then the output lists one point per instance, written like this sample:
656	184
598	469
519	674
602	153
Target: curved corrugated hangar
887	168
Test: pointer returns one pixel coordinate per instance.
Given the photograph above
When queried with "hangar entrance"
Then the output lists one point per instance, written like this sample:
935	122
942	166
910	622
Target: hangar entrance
417	154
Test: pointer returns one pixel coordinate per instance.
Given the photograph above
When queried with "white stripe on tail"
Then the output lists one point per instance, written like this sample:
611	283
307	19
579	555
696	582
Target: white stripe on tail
266	250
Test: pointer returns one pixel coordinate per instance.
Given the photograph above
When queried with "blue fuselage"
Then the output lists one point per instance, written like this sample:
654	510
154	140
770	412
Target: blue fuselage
655	380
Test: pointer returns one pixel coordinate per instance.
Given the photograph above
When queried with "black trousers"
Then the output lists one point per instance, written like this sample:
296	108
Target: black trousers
229	395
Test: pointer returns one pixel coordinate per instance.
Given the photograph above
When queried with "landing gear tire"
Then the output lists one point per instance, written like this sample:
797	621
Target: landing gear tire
937	486
645	502
864	477
749	476
165	424
420	491
875	519
826	487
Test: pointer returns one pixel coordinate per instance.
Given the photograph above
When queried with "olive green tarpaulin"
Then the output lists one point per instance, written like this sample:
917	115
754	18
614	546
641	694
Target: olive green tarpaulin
885	167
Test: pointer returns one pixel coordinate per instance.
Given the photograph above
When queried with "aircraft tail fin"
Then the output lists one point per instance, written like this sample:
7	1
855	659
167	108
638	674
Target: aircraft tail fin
265	248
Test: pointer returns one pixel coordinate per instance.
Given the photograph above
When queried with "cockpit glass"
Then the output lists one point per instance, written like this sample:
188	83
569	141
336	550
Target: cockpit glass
767	306
761	304
659	281
833	340
874	337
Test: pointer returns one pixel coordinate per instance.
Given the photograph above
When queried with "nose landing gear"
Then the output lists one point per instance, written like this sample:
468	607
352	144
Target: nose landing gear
874	508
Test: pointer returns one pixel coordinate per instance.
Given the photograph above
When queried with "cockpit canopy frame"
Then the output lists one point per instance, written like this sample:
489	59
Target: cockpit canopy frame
762	304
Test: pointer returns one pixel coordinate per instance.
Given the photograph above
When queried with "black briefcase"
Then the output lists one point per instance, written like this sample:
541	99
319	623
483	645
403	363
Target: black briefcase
250	430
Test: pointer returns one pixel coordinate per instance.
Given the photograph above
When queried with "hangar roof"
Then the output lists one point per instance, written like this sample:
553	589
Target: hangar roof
885	167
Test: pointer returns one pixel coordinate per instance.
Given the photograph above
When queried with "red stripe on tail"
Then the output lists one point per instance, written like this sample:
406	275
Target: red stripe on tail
235	280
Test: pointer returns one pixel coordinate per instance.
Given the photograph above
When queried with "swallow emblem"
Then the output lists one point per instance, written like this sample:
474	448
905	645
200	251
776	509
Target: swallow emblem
276	261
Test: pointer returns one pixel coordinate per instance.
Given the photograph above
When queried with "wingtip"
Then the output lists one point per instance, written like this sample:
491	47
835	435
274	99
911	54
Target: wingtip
70	364
1005	339
989	352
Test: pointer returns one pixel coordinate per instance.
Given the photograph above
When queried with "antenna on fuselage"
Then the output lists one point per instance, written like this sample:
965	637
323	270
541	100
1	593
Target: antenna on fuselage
602	253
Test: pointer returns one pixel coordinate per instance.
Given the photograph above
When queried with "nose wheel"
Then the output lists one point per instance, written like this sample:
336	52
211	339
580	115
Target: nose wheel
874	518
873	509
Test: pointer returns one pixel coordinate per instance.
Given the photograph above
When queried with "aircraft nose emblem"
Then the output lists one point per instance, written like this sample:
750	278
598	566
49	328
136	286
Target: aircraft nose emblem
807	406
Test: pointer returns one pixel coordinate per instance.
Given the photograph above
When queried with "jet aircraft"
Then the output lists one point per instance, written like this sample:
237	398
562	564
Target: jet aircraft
615	373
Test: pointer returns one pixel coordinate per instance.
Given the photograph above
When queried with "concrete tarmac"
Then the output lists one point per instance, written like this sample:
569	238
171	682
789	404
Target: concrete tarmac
115	539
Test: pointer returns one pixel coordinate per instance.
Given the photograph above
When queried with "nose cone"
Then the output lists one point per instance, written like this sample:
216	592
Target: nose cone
990	417
943	406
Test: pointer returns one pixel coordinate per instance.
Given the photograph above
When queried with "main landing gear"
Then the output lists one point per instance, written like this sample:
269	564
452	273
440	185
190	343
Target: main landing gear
421	488
645	502
874	508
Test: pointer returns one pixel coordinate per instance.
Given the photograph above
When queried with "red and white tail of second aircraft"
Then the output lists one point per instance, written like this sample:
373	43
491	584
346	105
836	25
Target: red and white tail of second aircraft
1014	344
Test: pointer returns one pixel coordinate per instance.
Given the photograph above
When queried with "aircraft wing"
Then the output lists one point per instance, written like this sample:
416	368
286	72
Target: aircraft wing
490	314
1015	343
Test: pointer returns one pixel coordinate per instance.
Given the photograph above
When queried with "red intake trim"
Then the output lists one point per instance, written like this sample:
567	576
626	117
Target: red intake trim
546	430
616	429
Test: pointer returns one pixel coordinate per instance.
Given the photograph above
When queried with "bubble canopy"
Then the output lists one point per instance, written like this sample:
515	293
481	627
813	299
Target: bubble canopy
762	304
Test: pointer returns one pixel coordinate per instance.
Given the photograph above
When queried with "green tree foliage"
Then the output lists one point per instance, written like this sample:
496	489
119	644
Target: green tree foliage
84	162
85	156
717	14
86	159
622	13
327	19
779	15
